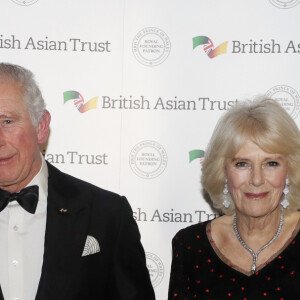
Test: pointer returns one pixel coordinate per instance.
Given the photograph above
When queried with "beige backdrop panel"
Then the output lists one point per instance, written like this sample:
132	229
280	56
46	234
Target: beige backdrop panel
158	98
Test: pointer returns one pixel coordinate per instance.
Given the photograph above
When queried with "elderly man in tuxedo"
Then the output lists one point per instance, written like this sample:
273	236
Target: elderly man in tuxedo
60	238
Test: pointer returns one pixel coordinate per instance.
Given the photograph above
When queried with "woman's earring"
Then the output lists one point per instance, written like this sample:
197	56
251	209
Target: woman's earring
226	202
285	202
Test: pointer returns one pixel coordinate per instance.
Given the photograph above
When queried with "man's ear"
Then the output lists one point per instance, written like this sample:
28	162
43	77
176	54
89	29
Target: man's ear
42	129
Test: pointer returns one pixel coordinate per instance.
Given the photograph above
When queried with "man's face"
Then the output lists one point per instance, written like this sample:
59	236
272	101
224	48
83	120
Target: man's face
20	160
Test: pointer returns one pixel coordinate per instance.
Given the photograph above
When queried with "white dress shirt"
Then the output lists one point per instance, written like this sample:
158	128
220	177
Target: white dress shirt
22	237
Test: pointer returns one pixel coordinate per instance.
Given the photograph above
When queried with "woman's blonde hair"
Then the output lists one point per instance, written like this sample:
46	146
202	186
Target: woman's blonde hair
267	124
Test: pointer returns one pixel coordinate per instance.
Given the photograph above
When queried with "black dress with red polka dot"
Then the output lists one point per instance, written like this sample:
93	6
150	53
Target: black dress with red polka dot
197	271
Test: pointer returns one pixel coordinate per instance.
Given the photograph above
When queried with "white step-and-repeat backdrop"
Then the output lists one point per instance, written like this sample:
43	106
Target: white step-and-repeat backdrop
136	87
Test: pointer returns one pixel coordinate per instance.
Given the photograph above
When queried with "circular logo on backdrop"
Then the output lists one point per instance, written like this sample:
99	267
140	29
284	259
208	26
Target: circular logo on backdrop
151	46
155	267
148	159
25	2
288	97
284	3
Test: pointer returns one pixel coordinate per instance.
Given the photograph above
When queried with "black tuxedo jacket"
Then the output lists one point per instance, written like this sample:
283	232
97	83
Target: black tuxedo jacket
117	272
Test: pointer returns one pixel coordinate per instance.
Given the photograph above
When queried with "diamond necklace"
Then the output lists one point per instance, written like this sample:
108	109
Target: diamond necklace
255	255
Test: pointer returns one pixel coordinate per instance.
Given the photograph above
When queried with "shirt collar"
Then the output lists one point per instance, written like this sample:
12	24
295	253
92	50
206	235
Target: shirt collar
41	180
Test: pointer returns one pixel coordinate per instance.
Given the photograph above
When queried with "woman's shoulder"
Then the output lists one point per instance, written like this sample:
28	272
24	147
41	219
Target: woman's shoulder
221	229
292	221
203	228
222	223
192	231
223	220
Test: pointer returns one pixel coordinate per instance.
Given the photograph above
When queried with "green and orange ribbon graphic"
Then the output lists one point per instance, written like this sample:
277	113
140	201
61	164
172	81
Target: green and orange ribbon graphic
194	154
208	46
78	101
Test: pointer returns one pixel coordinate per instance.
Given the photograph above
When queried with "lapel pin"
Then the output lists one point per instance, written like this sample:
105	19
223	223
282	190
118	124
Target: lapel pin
63	210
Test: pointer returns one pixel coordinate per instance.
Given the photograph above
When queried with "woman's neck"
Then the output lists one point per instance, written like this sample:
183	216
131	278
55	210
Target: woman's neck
258	231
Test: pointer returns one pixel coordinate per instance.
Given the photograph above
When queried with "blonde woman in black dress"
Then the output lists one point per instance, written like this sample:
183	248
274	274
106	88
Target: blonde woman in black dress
251	172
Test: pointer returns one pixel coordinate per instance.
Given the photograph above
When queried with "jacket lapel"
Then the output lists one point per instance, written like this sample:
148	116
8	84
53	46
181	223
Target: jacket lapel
66	231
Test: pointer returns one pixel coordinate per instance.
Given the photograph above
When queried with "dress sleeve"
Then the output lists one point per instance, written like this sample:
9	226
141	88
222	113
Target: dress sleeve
176	286
131	276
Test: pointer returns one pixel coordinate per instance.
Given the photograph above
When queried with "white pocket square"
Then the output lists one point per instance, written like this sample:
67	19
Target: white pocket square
91	246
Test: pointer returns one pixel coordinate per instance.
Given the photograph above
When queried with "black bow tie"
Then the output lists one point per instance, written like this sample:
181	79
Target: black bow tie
27	198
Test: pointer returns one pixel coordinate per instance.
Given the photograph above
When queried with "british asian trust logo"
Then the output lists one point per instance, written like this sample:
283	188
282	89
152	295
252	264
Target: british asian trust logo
208	46
195	154
78	101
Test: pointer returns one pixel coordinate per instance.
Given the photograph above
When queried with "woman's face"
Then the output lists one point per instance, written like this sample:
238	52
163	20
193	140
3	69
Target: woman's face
256	180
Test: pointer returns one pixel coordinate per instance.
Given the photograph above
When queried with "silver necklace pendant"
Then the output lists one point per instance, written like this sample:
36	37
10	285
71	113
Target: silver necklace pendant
253	254
253	267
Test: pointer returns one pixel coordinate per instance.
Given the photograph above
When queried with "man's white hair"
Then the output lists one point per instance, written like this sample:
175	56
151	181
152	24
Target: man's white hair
32	96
